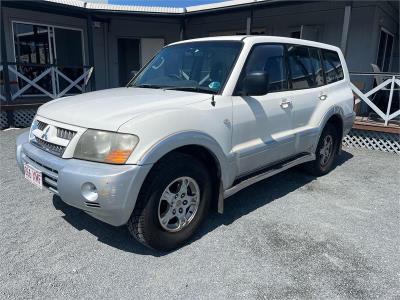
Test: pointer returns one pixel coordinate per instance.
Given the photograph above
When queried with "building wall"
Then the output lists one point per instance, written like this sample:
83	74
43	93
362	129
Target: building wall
325	19
106	45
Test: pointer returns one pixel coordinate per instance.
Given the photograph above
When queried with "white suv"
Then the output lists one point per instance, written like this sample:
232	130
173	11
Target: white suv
202	120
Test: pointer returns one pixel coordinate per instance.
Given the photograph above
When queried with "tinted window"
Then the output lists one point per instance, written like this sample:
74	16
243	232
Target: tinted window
270	59
301	68
317	66
332	67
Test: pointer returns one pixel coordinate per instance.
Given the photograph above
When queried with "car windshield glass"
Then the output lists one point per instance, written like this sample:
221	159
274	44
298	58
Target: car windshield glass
201	67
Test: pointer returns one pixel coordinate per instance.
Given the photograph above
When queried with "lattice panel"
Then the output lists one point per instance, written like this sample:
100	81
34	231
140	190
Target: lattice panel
24	117
387	142
3	120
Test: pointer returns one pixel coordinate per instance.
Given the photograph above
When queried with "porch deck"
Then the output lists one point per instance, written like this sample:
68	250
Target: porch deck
365	123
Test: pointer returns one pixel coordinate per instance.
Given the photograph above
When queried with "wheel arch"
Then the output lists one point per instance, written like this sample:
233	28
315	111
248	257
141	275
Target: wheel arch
334	116
197	144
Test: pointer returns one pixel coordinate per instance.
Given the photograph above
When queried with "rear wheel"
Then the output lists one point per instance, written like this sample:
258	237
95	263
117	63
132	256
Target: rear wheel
173	201
326	152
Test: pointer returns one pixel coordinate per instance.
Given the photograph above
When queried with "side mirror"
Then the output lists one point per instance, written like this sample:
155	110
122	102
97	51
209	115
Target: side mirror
255	84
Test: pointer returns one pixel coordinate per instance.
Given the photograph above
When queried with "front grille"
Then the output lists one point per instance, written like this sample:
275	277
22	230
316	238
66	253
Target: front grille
41	125
49	147
65	134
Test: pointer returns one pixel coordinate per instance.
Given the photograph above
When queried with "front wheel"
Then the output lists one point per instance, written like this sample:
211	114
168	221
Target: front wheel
327	150
173	201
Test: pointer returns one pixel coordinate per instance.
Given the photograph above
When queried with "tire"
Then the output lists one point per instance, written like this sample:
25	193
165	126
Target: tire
325	155
147	222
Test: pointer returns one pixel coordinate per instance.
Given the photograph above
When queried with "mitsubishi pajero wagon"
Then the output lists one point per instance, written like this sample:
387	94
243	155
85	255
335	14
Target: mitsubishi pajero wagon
202	120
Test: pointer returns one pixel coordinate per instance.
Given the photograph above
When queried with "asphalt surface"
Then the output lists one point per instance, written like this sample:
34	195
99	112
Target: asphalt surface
290	236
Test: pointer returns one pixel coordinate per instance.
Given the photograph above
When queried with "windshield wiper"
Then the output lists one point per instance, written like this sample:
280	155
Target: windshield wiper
191	88
147	86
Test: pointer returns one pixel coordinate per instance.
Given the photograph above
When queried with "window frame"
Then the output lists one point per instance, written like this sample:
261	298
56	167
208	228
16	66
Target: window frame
387	32
222	89
235	90
52	27
288	71
323	67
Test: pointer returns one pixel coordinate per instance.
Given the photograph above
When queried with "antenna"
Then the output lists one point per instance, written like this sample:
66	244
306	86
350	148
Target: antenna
212	100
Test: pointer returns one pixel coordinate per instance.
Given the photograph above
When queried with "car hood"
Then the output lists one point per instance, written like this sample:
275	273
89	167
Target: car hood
109	109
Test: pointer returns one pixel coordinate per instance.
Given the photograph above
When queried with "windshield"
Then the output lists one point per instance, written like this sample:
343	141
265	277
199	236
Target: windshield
197	66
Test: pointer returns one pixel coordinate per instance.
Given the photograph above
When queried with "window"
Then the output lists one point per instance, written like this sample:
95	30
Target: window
37	46
268	58
385	51
301	68
199	66
317	66
332	66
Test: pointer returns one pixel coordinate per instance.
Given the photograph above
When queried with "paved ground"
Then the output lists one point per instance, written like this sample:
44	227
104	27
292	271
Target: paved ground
291	236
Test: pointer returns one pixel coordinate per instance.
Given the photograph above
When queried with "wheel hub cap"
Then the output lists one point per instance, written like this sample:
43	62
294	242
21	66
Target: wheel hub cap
326	150
179	204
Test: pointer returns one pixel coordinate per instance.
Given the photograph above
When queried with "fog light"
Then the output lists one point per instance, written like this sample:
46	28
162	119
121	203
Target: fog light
89	191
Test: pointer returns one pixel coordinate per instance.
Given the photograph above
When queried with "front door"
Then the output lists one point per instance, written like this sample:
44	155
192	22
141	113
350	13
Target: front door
262	125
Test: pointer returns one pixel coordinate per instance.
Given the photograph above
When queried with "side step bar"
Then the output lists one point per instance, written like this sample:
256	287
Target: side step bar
273	170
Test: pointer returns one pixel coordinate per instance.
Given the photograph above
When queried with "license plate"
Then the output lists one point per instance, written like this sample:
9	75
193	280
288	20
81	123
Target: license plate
34	176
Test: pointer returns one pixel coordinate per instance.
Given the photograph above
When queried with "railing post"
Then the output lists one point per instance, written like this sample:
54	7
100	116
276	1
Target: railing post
390	101
53	82
7	88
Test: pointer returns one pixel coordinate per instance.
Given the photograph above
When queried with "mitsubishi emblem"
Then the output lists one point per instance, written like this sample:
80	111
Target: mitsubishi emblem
45	132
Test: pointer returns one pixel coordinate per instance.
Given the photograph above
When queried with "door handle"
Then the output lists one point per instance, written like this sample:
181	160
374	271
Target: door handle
322	97
285	103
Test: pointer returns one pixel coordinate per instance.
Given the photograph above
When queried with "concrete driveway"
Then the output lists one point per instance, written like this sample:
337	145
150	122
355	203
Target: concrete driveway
290	236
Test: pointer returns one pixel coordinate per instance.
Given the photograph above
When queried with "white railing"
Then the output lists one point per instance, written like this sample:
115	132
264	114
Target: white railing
393	80
22	83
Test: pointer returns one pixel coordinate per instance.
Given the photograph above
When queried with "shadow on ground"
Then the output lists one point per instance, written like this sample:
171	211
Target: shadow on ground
239	205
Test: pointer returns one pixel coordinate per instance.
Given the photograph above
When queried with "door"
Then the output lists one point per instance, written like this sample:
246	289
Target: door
307	84
128	59
149	47
262	125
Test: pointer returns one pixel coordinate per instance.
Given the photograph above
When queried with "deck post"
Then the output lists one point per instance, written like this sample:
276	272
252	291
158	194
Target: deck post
390	100
345	30
182	31
249	23
4	58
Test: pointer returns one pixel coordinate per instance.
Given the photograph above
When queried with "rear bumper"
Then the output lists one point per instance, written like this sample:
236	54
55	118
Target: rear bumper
348	122
116	186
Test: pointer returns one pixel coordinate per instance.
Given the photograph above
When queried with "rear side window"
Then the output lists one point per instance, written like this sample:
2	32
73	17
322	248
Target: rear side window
267	58
301	68
317	66
332	66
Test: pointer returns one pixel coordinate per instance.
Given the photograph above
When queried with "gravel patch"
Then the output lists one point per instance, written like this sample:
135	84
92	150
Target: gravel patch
290	236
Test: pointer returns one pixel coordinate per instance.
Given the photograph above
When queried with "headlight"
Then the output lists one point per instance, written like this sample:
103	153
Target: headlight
105	146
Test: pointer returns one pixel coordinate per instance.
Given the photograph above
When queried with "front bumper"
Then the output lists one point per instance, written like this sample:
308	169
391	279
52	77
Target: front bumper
117	186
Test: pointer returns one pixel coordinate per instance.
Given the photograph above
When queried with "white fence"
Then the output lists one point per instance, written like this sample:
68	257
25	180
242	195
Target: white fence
25	83
394	81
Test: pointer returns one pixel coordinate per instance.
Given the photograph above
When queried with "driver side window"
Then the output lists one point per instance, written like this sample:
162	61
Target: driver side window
268	58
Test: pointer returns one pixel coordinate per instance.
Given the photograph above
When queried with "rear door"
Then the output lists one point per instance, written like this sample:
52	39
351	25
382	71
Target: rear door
262	125
307	83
